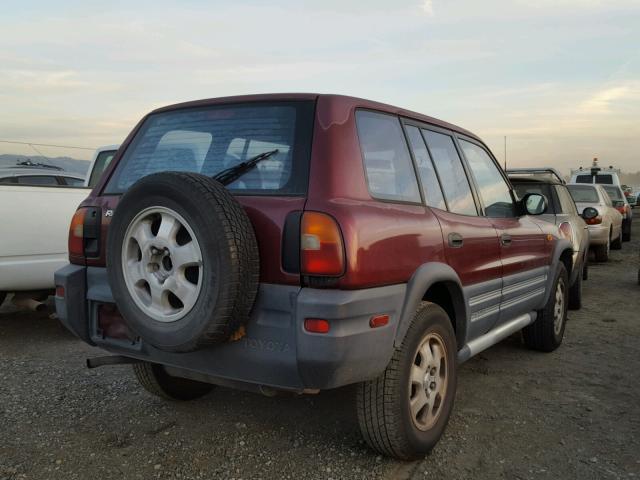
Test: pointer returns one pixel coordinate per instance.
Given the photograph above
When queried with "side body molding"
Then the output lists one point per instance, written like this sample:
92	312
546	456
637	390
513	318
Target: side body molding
423	278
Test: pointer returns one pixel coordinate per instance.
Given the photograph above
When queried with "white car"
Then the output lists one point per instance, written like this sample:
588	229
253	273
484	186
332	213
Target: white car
36	206
596	174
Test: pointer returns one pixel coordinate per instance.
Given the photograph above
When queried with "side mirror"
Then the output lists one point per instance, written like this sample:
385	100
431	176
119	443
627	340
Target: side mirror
589	213
534	204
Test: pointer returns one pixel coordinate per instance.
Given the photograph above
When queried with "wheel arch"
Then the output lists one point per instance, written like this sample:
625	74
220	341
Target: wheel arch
562	253
437	283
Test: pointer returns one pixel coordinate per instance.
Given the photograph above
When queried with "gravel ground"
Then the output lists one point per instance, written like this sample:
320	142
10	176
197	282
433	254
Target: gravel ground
574	413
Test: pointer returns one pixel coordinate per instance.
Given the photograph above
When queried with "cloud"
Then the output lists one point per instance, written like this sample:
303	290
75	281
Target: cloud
427	7
602	101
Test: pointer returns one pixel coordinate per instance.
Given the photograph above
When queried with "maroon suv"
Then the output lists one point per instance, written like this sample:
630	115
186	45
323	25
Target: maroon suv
301	242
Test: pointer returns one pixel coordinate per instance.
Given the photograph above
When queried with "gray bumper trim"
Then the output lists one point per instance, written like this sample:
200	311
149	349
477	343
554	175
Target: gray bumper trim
277	351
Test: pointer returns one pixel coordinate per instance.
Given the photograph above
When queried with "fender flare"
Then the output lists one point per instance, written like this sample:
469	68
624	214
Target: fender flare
561	246
425	276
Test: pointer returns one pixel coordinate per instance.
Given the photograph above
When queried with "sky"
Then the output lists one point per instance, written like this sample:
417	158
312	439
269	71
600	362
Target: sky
559	78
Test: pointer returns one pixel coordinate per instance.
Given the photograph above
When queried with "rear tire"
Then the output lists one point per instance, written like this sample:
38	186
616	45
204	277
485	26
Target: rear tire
617	243
602	251
575	292
404	411
156	380
546	333
626	233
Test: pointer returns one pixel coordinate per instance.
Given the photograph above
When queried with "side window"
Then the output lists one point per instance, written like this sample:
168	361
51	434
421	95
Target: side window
73	182
37	180
566	202
387	163
432	190
452	175
8	180
494	191
102	162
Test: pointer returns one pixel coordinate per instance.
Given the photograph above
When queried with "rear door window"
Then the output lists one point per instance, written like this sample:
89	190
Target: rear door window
426	170
451	172
494	190
388	166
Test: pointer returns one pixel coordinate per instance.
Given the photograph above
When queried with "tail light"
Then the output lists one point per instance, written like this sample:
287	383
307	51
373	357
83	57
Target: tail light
566	231
623	210
594	221
84	234
76	233
321	246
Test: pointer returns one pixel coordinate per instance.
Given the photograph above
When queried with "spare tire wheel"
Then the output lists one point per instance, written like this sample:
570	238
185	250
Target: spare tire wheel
182	261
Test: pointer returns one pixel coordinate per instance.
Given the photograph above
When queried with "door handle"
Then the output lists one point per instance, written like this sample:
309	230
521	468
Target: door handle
455	240
505	239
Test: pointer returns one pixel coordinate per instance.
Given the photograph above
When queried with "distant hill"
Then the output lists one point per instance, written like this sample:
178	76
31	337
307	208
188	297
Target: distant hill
71	165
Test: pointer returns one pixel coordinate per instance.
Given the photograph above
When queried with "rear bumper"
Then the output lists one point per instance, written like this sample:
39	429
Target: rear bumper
276	352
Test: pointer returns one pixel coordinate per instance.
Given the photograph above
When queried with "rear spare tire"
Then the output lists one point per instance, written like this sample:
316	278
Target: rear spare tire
182	261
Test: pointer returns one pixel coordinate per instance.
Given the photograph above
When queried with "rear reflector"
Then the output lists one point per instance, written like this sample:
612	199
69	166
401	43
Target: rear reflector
379	321
59	291
316	325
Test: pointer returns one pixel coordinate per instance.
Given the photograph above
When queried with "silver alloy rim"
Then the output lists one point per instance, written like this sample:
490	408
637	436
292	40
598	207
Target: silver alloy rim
162	264
428	381
558	309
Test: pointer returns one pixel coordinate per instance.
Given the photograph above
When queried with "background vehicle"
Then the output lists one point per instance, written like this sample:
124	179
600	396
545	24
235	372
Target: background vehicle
28	173
561	211
596	174
621	204
605	229
339	241
100	161
36	205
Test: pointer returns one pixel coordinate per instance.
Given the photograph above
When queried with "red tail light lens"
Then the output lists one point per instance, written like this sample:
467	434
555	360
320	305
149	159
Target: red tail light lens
594	221
76	233
321	247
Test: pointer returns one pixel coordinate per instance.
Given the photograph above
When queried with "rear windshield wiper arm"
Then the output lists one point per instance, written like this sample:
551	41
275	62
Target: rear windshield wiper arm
231	174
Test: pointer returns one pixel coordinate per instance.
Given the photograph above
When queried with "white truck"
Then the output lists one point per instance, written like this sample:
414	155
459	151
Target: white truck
36	207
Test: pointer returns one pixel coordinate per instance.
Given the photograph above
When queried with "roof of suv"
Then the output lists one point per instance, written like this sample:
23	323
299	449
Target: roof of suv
343	101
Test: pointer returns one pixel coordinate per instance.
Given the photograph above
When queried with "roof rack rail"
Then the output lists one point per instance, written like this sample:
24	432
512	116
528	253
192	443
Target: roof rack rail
537	171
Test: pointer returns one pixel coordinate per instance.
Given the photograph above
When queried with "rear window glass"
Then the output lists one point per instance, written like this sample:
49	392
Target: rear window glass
614	193
601	179
210	139
390	172
584	194
540	188
37	180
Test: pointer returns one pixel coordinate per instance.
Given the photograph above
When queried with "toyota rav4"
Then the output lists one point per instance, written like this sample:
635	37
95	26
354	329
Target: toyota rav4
304	242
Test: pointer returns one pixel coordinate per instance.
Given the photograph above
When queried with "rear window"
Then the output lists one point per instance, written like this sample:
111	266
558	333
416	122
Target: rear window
210	139
584	194
614	193
601	179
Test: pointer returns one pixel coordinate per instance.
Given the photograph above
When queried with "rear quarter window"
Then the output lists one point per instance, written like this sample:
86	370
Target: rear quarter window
388	166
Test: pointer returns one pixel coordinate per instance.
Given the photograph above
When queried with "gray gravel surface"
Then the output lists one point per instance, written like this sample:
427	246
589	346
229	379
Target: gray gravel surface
574	413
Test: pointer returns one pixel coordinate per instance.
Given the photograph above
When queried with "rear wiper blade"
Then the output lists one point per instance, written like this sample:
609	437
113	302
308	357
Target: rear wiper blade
231	174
